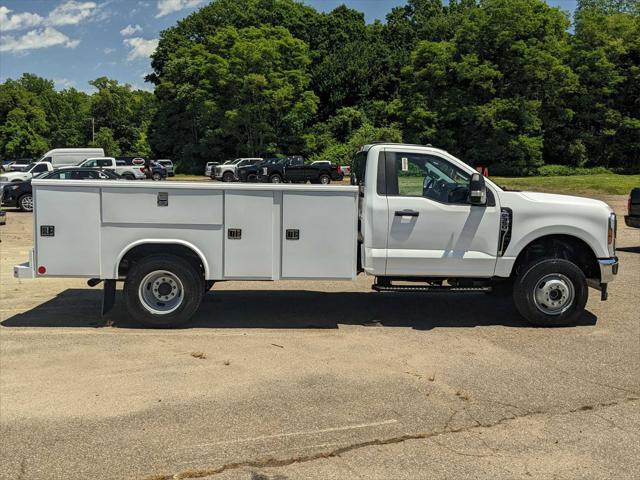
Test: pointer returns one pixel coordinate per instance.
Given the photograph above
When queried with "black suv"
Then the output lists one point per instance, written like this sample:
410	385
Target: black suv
294	170
632	219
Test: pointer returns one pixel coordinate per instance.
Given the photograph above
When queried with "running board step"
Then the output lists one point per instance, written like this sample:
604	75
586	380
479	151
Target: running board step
427	288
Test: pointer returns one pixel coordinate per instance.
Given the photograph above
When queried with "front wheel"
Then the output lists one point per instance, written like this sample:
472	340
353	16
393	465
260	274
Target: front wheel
275	178
227	177
163	290
156	177
551	292
324	179
25	202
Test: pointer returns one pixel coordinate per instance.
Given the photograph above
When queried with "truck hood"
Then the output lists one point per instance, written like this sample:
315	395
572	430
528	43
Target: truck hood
14	175
568	200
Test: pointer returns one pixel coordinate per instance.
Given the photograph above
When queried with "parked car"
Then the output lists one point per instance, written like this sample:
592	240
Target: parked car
632	219
294	170
228	171
249	173
128	172
168	164
208	169
158	172
21	176
19	194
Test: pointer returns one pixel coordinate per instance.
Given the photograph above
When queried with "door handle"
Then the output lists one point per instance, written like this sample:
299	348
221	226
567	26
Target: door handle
407	213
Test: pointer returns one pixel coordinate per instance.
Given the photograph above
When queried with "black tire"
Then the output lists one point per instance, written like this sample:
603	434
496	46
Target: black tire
324	179
275	178
25	202
128	176
208	285
227	177
549	275
189	276
156	177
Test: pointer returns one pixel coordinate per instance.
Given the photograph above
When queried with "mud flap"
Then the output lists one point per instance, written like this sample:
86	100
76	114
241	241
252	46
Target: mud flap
108	296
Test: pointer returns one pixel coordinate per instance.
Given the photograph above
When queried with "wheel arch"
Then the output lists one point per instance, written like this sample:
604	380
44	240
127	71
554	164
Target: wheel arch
142	248
565	246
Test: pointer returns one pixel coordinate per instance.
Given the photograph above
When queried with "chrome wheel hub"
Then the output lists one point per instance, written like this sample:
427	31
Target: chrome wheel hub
161	292
554	294
27	202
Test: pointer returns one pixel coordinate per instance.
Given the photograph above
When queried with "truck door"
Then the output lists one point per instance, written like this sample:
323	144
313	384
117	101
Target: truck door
433	230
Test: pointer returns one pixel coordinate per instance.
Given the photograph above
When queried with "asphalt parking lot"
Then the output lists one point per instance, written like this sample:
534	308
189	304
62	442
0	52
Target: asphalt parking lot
315	380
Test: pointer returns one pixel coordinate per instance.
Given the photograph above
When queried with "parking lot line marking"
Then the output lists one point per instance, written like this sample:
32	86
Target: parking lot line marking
304	432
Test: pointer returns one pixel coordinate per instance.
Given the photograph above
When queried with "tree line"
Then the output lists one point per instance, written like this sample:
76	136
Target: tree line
513	84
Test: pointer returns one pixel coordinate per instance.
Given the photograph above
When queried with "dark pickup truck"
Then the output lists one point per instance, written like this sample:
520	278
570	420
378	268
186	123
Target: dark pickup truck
632	219
294	170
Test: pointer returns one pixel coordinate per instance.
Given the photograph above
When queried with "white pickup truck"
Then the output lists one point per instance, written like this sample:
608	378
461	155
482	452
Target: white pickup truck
128	172
417	219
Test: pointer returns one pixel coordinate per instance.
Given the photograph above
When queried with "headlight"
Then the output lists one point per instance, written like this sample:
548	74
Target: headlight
611	233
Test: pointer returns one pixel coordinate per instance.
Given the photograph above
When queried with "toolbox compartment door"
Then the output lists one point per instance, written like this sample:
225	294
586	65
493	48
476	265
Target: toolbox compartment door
248	234
319	235
68	230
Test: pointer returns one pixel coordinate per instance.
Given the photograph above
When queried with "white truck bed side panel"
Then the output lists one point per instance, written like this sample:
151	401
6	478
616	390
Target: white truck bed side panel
327	224
140	206
204	240
250	255
74	248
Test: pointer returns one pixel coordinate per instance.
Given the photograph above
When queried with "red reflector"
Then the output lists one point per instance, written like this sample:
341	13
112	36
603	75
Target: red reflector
42	270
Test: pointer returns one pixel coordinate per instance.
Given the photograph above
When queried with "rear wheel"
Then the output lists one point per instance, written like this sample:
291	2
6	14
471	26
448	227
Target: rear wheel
324	179
551	292
163	290
128	176
156	177
227	177
25	202
275	178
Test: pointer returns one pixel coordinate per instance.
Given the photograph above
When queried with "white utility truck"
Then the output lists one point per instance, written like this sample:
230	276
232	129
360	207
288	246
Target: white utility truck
416	218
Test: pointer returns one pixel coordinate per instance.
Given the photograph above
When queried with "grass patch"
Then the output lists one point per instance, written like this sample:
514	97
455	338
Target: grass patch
185	177
608	183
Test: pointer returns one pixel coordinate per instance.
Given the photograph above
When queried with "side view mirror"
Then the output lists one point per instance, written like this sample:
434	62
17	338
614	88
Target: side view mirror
477	190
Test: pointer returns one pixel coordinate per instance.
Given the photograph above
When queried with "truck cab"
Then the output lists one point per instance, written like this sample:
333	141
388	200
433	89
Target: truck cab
427	217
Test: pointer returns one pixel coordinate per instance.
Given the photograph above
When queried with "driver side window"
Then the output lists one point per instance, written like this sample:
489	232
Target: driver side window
428	176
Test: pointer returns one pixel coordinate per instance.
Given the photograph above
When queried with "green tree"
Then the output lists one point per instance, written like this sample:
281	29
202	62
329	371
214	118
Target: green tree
498	90
240	92
105	140
606	57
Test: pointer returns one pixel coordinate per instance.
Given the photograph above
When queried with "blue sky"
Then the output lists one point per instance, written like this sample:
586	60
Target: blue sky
74	41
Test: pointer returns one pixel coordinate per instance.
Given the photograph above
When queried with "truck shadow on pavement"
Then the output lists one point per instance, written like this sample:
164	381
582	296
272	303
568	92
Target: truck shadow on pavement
293	309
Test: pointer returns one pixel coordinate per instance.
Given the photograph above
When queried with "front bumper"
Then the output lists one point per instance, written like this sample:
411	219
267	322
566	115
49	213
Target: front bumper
608	269
632	221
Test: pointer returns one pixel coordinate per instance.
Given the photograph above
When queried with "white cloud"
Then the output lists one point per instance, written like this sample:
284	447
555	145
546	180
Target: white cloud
130	30
70	13
62	83
39	38
109	51
17	21
140	48
165	7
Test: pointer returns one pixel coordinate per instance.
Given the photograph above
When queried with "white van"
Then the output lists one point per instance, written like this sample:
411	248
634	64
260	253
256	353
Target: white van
70	156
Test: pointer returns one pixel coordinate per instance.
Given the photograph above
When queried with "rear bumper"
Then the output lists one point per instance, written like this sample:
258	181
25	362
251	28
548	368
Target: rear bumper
26	269
632	221
608	269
